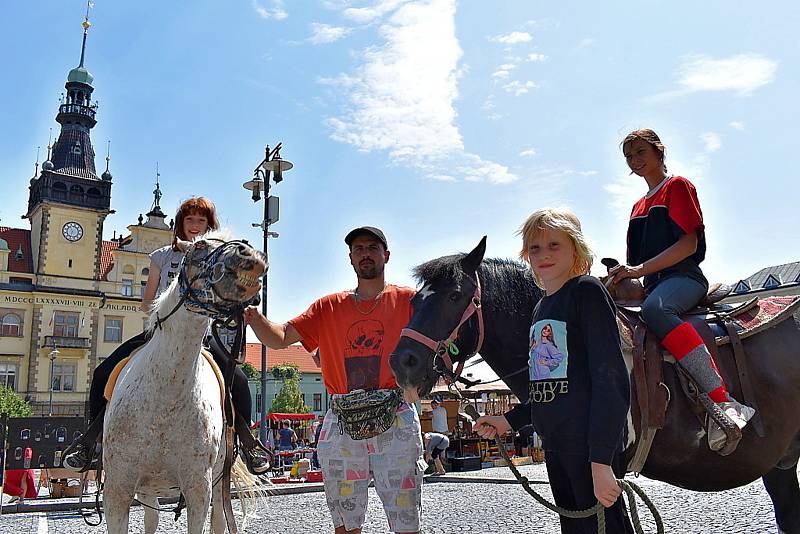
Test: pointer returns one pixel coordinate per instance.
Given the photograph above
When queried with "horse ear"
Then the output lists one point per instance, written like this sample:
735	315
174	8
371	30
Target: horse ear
472	261
182	245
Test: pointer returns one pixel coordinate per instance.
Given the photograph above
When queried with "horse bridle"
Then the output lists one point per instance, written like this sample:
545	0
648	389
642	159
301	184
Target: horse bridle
207	300
443	349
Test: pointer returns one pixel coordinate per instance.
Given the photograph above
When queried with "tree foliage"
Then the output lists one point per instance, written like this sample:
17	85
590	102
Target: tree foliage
251	372
12	404
289	399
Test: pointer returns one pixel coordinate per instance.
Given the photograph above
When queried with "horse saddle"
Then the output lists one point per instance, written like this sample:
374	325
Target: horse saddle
108	391
718	325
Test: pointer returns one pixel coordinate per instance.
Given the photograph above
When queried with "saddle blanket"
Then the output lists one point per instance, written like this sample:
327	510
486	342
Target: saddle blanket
767	312
112	379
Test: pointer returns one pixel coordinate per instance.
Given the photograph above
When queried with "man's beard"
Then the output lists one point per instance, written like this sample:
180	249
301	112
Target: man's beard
368	271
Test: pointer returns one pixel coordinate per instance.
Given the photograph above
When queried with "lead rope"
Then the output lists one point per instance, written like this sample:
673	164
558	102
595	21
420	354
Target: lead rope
631	490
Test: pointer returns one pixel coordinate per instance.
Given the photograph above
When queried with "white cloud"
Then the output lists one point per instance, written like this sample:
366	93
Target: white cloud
503	71
585	43
528	152
401	98
519	88
275	11
741	74
324	33
534	57
364	15
712	141
736	125
512	38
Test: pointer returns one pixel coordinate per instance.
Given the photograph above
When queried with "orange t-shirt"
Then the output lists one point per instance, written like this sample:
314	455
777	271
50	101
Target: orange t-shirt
354	340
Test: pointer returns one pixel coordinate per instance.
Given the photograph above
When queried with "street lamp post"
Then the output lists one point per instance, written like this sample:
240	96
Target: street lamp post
53	354
272	166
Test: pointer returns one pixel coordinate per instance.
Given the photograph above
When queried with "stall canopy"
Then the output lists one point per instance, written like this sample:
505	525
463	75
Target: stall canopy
291	416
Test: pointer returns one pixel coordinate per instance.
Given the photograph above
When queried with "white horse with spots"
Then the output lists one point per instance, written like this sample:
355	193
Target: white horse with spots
164	424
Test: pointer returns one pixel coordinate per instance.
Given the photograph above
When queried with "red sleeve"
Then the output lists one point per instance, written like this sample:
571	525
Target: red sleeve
307	325
684	208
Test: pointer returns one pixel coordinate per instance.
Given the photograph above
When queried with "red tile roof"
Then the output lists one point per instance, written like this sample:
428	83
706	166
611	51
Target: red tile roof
106	258
18	238
292	354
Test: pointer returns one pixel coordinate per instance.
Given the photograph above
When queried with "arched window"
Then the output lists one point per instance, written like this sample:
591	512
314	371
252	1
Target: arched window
10	325
59	190
59	186
93	192
128	269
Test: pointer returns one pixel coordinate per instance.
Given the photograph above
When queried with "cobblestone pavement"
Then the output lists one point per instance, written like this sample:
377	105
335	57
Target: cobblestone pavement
462	507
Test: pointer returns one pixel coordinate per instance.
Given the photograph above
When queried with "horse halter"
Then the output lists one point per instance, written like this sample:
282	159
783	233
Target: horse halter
207	300
442	362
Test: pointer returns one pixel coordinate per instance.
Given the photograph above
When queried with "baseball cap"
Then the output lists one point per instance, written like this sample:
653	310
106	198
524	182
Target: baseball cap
369	230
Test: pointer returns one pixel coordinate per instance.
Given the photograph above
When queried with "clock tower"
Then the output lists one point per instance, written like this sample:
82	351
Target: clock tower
68	202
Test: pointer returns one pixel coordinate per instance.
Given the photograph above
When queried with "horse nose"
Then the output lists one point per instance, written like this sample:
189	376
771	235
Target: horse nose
406	364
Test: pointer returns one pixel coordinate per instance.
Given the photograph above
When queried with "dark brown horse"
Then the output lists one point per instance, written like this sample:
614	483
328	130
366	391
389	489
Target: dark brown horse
680	453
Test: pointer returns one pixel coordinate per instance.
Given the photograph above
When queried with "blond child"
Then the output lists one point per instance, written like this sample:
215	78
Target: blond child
580	410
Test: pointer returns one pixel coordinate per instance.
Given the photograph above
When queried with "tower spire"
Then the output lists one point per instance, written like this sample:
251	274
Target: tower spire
86	25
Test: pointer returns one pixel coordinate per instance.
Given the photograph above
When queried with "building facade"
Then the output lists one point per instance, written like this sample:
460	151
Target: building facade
68	297
311	386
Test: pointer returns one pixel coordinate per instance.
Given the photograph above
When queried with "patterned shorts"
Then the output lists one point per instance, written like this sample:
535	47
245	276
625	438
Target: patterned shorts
393	459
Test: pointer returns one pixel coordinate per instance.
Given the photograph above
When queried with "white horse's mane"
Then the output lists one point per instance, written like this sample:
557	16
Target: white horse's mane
166	299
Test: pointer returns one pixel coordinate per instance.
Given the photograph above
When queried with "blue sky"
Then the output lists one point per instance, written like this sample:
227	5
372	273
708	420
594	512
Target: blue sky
439	121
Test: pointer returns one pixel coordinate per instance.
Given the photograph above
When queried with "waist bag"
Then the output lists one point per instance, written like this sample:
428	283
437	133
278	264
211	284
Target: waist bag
365	414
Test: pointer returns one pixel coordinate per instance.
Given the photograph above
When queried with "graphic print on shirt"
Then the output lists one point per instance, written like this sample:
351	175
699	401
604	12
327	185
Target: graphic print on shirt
362	355
548	357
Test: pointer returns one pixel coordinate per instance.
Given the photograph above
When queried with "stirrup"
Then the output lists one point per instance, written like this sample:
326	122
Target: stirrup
733	434
251	446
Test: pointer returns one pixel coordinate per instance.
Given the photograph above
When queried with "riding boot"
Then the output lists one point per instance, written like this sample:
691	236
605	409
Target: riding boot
256	456
82	453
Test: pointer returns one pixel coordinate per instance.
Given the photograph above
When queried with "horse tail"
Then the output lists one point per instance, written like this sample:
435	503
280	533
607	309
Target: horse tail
249	488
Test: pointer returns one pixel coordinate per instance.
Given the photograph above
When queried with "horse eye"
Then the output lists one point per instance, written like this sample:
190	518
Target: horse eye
454	296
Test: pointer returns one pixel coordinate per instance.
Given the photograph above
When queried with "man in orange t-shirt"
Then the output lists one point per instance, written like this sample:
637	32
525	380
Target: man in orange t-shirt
356	332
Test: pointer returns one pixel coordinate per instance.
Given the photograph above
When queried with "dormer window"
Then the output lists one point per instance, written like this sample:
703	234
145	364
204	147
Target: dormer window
18	255
76	149
742	287
772	282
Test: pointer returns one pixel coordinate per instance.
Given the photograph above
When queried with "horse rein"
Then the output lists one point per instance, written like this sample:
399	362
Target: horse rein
442	350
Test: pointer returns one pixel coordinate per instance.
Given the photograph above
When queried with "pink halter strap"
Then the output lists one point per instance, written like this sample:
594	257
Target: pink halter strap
442	348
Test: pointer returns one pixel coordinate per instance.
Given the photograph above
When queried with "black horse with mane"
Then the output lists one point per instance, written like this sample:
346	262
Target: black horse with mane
679	453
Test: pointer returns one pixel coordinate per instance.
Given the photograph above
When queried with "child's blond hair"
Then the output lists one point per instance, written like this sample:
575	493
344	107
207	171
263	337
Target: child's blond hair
562	220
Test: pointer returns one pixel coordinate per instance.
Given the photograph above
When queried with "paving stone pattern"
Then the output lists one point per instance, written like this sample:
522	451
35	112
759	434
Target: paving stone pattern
450	507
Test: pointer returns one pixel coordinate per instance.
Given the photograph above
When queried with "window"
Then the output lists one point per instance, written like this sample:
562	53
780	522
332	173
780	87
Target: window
303	398
65	324
18	280
317	402
10	325
64	377
742	287
8	375
146	272
127	287
113	330
772	282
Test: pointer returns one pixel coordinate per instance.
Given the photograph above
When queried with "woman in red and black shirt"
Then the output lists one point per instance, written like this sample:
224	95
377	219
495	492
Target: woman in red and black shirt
666	243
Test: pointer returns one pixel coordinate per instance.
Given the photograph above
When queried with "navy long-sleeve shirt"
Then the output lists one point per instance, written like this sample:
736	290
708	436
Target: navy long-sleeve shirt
581	399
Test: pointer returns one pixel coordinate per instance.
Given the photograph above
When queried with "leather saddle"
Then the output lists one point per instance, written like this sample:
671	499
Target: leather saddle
710	318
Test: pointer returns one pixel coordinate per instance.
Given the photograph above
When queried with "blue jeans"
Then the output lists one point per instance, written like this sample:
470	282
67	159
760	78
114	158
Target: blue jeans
675	295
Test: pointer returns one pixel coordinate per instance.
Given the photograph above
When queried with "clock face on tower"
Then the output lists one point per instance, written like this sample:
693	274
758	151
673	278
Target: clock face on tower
72	231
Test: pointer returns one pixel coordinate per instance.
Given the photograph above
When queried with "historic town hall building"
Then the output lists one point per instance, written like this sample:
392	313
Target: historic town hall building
67	296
